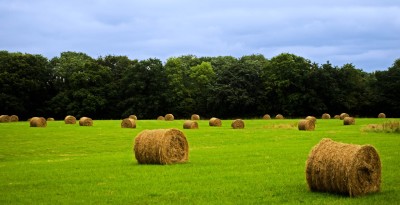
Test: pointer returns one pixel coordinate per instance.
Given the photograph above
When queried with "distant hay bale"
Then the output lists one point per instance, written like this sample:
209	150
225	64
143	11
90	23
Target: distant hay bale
85	121
195	117
169	117
349	121
160	118
50	119
307	125
133	117
279	116
336	117
266	117
215	122
69	119
381	115
128	123
38	122
237	124
312	118
343	115
326	116
162	146
190	124
14	118
4	118
341	168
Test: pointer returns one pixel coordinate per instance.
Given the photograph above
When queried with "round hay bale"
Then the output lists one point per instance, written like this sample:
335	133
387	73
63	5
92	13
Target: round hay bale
195	117
307	125
4	118
50	119
341	168
85	121
237	124
381	115
343	115
161	146
160	118
266	117
326	116
14	118
169	117
312	118
69	119
279	116
215	122
336	117
349	121
128	123
133	117
190	124
38	122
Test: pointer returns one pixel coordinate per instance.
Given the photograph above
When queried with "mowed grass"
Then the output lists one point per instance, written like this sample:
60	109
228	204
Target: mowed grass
261	164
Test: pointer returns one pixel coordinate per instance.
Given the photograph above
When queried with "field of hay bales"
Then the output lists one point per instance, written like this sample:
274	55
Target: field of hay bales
264	163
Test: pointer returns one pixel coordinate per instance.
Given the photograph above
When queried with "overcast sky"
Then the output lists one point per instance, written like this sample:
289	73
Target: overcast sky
363	32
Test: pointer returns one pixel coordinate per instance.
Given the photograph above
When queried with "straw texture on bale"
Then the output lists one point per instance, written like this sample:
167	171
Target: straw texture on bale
341	168
312	118
349	121
195	117
50	119
133	117
4	118
215	122
326	116
128	123
190	124
343	115
14	118
162	146
307	125
381	115
160	118
237	124
70	119
279	116
169	117
38	122
266	117
336	117
85	121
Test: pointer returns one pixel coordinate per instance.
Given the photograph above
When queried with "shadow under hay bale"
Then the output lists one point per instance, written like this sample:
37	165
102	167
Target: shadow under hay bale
195	117
349	121
69	119
307	125
162	146
237	124
38	122
85	121
160	118
190	124
134	117
169	117
279	116
341	168
5	118
14	118
128	123
343	115
381	115
266	117
215	122
326	116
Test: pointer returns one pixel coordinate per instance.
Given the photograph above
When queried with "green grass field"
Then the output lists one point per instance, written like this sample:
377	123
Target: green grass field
261	164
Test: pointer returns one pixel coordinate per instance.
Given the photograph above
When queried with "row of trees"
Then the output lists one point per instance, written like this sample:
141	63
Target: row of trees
113	87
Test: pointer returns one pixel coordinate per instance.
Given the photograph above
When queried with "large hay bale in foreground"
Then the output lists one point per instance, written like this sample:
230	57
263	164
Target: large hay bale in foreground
190	124
85	121
312	118
266	117
4	118
195	117
128	123
169	117
341	168
160	118
134	117
14	118
381	115
326	116
38	122
279	116
307	125
343	115
69	119
162	146
237	124
349	121
215	122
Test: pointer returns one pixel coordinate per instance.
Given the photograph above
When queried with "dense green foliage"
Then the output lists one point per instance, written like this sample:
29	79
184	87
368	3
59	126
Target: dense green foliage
112	87
264	163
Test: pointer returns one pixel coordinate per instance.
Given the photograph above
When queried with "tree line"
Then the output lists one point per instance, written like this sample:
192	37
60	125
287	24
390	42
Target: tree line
114	87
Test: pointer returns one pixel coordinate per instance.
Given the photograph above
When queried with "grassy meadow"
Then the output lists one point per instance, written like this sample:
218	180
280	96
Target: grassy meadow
261	164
